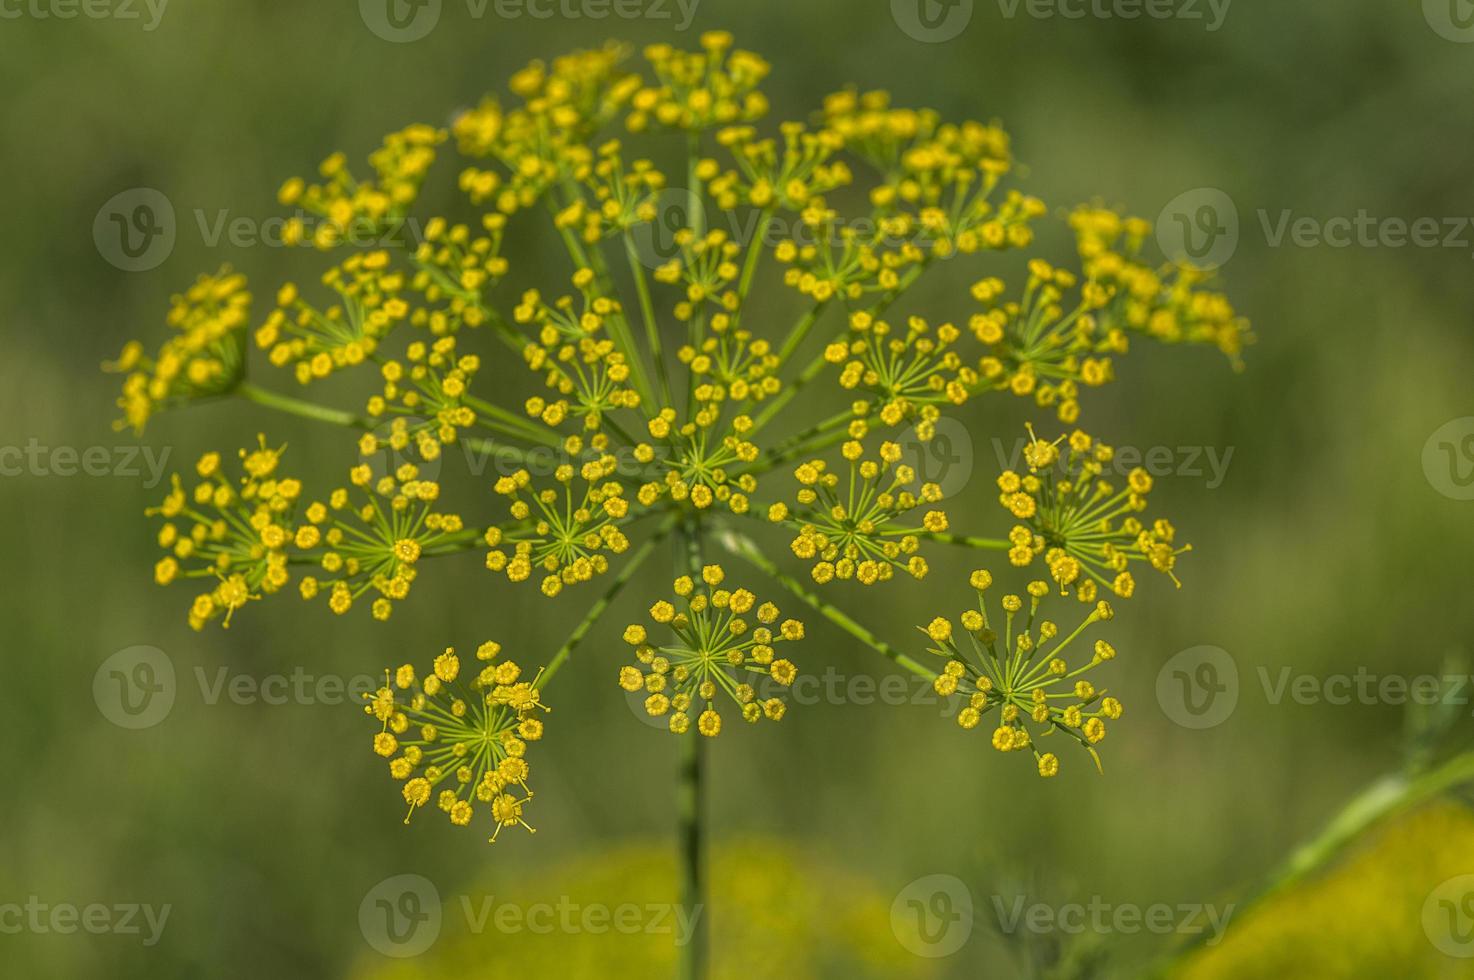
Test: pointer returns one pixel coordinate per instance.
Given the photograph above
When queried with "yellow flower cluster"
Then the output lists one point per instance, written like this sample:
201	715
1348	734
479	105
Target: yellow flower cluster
1083	526
623	196
427	392
233	532
858	527
579	361
205	358
567	535
904	373
716	86
1036	348
317	342
374	546
355	209
1165	304
769	178
716	649
542	143
698	456
455	271
460	743
1024	674
942	174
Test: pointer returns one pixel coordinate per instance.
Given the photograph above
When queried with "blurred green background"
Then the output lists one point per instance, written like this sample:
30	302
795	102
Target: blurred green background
1326	548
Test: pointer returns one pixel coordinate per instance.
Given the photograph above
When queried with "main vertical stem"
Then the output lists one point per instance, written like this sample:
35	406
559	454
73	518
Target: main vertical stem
690	803
690	798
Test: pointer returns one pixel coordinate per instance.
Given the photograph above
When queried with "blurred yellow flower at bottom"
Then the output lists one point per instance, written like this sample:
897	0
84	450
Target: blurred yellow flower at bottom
775	912
1380	912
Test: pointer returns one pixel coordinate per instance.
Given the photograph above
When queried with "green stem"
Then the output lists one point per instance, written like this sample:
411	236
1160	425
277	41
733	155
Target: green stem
1384	798
597	610
966	541
647	310
333	416
296	406
744	548
690	793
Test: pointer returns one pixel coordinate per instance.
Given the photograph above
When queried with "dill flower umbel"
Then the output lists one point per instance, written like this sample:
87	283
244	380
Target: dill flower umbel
1084	527
1023	674
232	531
566	534
206	358
673	380
460	743
859	526
716	650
